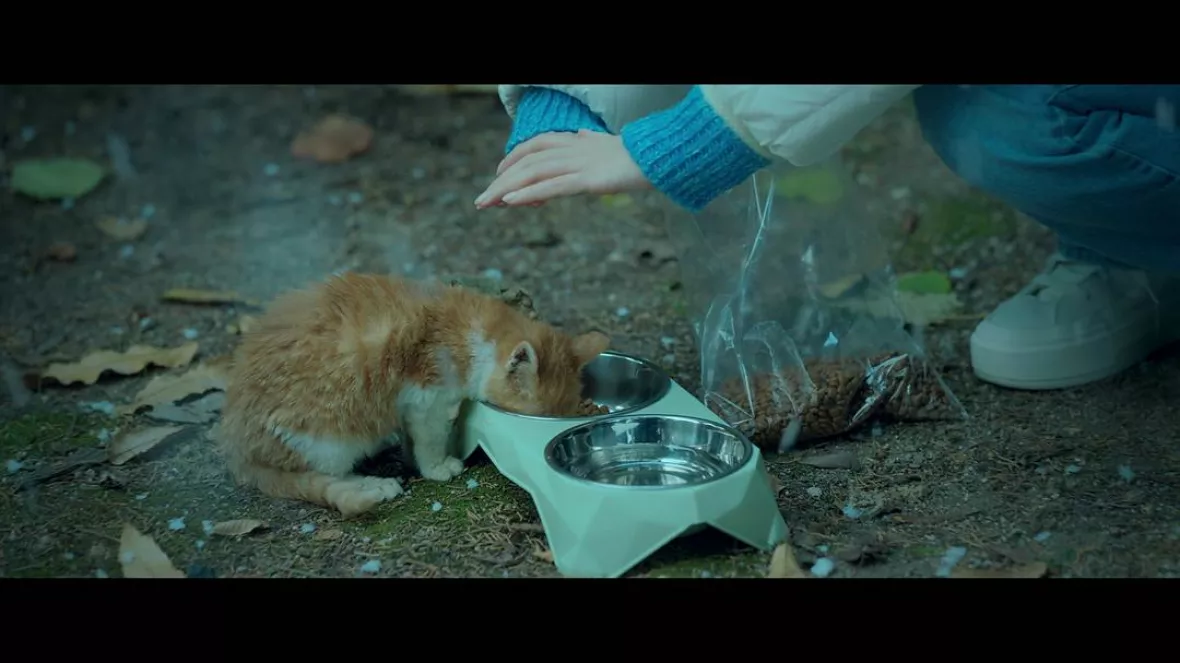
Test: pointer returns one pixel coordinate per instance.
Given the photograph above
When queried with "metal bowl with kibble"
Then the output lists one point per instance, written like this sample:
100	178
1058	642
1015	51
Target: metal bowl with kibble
614	383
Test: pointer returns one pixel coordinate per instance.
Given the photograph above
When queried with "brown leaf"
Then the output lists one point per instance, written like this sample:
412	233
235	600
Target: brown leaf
334	139
1034	570
195	296
121	229
238	527
839	287
200	411
168	388
135	359
328	535
61	252
129	445
841	460
142	558
783	564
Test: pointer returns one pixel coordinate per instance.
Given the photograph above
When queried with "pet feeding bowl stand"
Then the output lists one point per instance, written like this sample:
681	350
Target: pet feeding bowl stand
603	530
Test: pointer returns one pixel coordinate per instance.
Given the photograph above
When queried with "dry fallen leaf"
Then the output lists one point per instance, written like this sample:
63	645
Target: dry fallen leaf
166	389
129	445
135	359
1034	570
837	288
142	558
783	564
238	527
195	296
328	535
200	411
61	252
334	139
122	229
543	554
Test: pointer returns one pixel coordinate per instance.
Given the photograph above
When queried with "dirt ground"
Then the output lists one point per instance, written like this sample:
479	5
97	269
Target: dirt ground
1085	481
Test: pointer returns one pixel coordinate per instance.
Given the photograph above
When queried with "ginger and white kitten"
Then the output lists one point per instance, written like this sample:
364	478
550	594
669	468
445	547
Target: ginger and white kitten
336	373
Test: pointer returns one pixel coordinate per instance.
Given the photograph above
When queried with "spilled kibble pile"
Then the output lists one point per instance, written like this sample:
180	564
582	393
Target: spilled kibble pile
848	393
587	408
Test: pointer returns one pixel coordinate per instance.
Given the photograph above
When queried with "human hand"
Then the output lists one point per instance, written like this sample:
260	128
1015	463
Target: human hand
554	165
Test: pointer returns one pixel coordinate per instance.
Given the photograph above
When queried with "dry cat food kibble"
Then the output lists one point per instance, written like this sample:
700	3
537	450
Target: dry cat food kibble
848	393
587	408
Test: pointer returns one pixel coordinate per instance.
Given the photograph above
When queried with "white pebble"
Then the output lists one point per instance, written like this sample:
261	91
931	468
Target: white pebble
822	548
668	342
371	566
437	506
493	273
307	528
706	574
207	527
101	574
146	324
191	333
141	497
815	491
200	544
852	512
1072	469
13	466
823	567
1042	537
623	312
270	169
957	273
176	524
950	559
105	407
103	436
365	539
1126	473
472	484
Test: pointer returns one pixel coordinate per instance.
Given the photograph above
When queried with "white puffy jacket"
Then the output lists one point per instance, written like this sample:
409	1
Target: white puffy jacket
801	124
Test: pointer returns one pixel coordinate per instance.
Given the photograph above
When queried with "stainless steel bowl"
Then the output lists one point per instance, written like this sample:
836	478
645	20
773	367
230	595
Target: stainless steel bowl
650	451
620	382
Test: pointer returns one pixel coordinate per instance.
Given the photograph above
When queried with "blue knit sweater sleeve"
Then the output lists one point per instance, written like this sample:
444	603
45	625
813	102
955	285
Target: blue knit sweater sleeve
543	110
689	153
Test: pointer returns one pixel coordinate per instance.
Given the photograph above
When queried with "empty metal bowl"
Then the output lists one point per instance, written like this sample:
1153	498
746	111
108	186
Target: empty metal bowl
654	450
620	382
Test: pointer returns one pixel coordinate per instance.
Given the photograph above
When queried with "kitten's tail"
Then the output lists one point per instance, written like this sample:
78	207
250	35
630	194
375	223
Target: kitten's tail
350	496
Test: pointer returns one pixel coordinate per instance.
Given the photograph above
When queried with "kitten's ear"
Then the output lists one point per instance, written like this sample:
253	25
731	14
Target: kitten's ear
523	360
590	345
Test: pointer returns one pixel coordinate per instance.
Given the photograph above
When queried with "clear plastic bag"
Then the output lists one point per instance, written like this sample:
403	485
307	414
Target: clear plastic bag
800	331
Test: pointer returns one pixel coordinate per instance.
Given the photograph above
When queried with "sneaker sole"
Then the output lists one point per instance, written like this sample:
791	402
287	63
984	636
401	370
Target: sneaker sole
1091	360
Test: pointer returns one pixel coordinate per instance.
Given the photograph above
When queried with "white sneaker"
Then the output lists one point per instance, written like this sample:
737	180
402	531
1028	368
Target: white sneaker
1074	324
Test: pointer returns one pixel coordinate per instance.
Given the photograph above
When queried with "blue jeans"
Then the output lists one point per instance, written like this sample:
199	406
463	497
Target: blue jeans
1097	164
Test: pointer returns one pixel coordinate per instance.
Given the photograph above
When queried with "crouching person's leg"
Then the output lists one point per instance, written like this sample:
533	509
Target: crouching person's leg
1099	165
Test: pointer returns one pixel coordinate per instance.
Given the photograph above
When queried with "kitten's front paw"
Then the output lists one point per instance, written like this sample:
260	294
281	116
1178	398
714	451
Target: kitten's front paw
357	495
448	469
